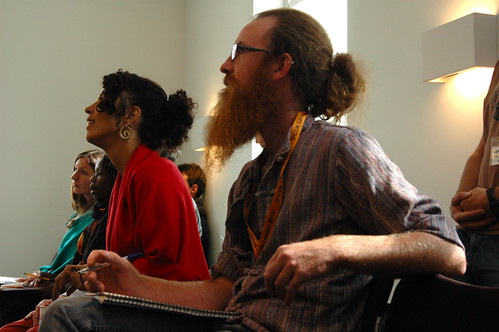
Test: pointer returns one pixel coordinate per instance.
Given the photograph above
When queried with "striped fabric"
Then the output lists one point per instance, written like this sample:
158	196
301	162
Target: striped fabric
338	181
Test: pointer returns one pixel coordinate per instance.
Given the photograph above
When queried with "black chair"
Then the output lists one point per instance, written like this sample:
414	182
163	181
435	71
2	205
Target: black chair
16	303
376	304
437	303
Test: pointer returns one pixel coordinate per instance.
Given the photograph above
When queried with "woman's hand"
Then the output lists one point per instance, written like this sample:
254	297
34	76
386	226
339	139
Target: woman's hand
37	279
30	278
68	281
37	313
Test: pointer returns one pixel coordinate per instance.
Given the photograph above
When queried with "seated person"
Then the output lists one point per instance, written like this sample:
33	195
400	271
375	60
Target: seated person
82	202
15	305
310	221
195	179
150	209
93	237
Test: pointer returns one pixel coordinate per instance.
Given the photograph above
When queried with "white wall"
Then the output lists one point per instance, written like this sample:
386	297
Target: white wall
211	28
53	54
428	129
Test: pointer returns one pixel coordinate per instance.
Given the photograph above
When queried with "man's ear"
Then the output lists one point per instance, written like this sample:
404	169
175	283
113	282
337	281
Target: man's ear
283	66
194	190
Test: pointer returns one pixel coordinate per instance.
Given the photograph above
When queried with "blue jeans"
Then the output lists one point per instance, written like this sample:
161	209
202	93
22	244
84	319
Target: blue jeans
85	313
482	254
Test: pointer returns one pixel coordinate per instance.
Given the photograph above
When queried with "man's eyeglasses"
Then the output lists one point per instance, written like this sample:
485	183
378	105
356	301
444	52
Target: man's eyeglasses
238	49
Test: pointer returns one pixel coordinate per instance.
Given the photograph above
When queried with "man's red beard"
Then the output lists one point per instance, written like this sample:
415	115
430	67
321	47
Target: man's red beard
238	115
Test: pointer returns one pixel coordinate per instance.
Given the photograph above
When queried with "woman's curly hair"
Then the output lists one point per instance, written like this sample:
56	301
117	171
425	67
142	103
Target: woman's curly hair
166	120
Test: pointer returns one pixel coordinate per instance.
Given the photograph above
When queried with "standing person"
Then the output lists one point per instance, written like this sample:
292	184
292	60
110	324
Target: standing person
475	206
150	209
195	178
16	304
302	261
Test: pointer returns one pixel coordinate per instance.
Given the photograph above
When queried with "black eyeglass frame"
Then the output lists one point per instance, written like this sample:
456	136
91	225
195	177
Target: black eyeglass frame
237	47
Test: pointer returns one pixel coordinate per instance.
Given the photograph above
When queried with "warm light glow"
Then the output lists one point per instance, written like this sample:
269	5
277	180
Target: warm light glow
483	9
465	7
459	46
473	82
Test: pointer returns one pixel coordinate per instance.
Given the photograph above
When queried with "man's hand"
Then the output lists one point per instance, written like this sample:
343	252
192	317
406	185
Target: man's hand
294	264
470	209
476	200
119	277
392	255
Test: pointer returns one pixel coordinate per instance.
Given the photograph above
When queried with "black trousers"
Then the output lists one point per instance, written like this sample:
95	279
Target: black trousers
15	303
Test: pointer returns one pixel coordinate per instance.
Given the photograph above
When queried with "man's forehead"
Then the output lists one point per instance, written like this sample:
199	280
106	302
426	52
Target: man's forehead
256	32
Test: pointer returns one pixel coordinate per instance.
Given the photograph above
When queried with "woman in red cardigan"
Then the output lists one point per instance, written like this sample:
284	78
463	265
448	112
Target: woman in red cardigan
150	209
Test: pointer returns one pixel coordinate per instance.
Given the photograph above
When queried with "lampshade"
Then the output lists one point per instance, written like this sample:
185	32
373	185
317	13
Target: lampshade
460	45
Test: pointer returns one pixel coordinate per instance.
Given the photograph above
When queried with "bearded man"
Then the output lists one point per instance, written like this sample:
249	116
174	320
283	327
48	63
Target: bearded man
310	221
238	115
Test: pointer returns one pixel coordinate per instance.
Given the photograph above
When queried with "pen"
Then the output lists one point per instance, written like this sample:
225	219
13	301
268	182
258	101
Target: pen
36	277
130	258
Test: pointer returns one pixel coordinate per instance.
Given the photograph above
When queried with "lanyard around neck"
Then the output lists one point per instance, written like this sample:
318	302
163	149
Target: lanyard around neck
275	205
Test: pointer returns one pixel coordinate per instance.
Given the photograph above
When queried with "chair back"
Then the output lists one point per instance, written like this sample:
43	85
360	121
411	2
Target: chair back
376	304
437	303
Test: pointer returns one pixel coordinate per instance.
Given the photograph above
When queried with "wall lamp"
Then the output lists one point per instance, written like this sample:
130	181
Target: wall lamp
460	45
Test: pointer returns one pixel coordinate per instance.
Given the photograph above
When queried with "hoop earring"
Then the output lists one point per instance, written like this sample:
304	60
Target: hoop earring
126	132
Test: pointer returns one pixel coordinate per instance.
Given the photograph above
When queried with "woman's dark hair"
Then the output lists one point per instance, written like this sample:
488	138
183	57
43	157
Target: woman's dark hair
166	120
108	168
325	85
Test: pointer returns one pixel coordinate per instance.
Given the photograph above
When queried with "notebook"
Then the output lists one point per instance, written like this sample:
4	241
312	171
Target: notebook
136	302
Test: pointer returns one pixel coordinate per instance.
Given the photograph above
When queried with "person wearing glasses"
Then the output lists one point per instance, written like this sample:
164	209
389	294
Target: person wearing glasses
310	221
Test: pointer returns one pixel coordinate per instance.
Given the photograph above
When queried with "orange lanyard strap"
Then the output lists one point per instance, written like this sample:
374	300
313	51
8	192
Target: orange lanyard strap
276	204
